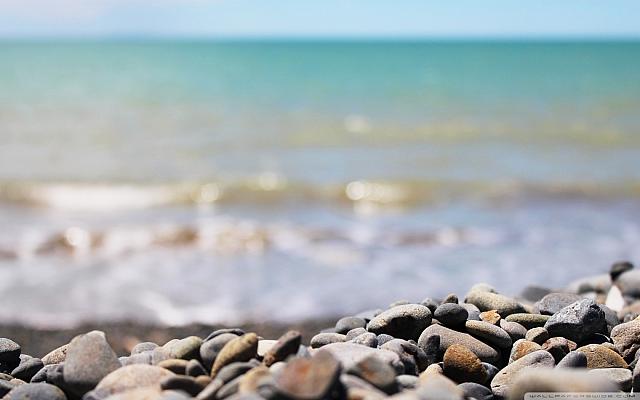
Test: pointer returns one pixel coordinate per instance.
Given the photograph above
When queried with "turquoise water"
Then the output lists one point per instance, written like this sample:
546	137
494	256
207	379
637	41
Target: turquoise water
148	168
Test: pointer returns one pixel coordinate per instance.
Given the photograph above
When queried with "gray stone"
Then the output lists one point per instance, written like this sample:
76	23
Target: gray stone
451	315
629	283
36	391
366	339
354	333
128	378
210	349
346	324
184	349
598	283
449	337
476	391
27	369
472	311
538	335
501	383
349	354
407	381
527	320
384	338
555	380
9	354
515	330
403	321
554	302
181	382
439	387
489	333
486	301
578	321
89	359
412	357
216	333
323	339
195	368
287	345
574	359
143	347
377	372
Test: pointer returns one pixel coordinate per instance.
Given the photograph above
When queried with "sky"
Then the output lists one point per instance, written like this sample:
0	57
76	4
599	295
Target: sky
321	18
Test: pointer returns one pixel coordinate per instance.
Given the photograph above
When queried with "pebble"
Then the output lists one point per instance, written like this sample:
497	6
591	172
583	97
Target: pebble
521	348
554	380
449	337
404	321
27	368
56	356
412	357
636	378
451	314
377	372
9	354
323	339
472	310
384	338
504	379
142	348
629	283
462	365
489	333
349	354
430	303
538	335
626	338
346	324
210	348
184	349
599	356
554	302
195	368
528	320
622	377
242	348
36	391
451	298
439	387
574	359
89	359
491	317
128	378
309	378
287	345
366	339
476	391
577	321
515	330
175	365
181	382
559	347
354	333
486	301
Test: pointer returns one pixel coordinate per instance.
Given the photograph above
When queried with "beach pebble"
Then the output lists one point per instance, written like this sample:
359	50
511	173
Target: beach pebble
565	380
573	359
449	337
366	339
514	329
254	379
383	338
143	347
354	333
626	338
36	391
128	378
412	357
210	348
486	301
309	378
56	356
287	345
490	316
554	302
476	391
472	311
323	339
89	359
504	379
175	365
451	314
559	347
349	354
242	348
489	333
622	377
462	365
599	356
521	348
346	324
403	321
538	335
184	349
577	321
195	368
27	368
377	372
9	354
527	320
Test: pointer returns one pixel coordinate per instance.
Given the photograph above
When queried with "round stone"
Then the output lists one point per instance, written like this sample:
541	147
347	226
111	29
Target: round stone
451	314
450	337
514	329
9	353
490	316
486	301
462	365
323	339
349	354
599	356
489	333
346	324
404	321
210	349
574	359
504	379
36	391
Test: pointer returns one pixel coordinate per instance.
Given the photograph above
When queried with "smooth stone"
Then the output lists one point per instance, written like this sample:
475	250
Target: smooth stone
554	302
27	369
234	370
349	354
412	357
210	349
346	324
622	377
564	380
175	365
366	339
573	359
309	378
287	345
515	330
377	372
626	338
462	365
538	335
449	337
143	347
323	339
451	314
578	321
229	389
56	356
128	378
195	368
36	391
139	358
354	333
9	354
184	349
254	379
491	369
500	384
528	320
489	333
89	359
476	391
242	348
472	310
403	321
218	332
491	317
559	347
599	356
486	301
521	348
181	382
439	387
384	338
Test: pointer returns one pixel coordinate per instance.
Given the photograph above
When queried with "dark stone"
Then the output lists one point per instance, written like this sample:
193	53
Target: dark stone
210	349
578	321
27	369
194	368
403	321
451	314
554	302
619	268
37	391
312	378
476	391
9	355
574	359
180	382
287	345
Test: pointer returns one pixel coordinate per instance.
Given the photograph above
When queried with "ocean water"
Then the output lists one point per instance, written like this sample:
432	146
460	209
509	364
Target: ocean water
174	181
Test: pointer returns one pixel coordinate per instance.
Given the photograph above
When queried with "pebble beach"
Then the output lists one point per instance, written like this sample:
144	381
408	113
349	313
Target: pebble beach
478	345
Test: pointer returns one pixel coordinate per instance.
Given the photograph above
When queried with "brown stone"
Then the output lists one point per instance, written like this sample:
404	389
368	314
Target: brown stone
462	365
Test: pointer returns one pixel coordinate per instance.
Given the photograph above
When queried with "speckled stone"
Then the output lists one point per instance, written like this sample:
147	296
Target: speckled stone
491	317
626	338
578	321
599	356
323	339
346	324
451	314
538	335
462	365
521	348
36	391
554	302
501	383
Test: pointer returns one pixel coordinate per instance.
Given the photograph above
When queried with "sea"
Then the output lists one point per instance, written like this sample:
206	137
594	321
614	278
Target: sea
224	181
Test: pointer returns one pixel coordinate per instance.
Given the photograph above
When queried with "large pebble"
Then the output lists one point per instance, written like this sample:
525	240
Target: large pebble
504	379
56	356
462	365
486	301
403	321
89	359
554	302
574	359
128	378
449	337
599	356
578	321
377	372
184	349
325	338
288	344
9	354
489	333
514	329
412	357
521	348
451	314
210	349
28	368
565	380
527	320
36	391
476	391
309	378
346	324
242	348
626	338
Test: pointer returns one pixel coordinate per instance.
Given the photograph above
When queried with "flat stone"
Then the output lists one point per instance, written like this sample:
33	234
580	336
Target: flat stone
451	314
377	372
36	391
554	302
528	320
599	356
514	329
346	324
210	349
403	321
555	380
578	321
489	333
574	359
56	356
486	301
323	339
622	377
287	345
449	337
626	338
130	377
242	348
538	335
462	365
521	348
309	378
500	385
491	317
89	359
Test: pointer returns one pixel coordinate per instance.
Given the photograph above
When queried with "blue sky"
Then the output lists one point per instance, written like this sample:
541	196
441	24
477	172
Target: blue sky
322	18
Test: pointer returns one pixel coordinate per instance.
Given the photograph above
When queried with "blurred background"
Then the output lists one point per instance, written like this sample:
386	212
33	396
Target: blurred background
226	161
